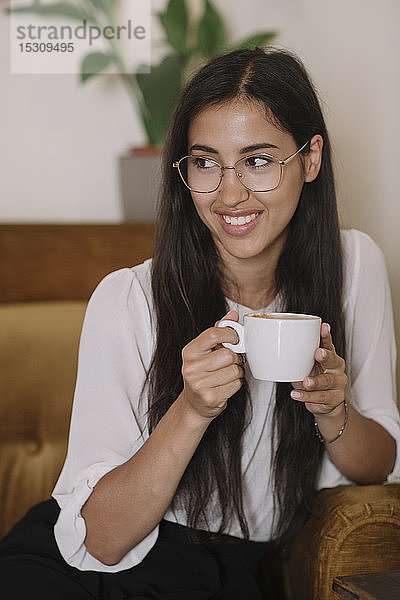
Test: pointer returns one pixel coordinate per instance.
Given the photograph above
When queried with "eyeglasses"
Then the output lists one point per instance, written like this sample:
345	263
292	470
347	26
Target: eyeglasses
258	172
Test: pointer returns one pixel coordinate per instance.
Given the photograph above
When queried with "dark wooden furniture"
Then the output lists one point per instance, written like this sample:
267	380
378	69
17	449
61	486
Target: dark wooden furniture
66	262
371	586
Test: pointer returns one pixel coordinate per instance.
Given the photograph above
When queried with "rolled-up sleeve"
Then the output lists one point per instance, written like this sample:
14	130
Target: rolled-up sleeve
108	423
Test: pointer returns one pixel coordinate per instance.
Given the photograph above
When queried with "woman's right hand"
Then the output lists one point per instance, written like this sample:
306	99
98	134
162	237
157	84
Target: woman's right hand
211	372
130	500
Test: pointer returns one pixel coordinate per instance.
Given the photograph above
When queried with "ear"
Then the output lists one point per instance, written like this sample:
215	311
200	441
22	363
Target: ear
313	158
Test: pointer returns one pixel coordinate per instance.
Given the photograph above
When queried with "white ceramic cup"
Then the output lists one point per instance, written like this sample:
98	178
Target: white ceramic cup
278	346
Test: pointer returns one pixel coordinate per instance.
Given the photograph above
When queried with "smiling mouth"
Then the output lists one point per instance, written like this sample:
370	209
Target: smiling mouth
242	220
239	223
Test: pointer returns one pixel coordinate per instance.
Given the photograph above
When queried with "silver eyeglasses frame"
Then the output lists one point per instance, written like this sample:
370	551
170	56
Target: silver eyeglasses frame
281	163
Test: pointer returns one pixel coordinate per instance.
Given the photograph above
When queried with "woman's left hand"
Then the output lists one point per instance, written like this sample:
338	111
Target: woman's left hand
324	389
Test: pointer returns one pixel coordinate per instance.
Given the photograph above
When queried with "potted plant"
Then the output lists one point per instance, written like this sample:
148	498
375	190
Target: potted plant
188	42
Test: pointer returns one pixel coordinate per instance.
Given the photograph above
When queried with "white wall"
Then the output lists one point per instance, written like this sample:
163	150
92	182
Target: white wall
60	139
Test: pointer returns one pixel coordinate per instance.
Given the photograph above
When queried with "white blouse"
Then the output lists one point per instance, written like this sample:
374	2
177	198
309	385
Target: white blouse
109	423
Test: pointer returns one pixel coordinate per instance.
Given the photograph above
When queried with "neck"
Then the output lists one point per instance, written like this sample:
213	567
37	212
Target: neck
250	281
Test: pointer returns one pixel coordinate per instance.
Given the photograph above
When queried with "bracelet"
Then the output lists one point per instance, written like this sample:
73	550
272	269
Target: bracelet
319	435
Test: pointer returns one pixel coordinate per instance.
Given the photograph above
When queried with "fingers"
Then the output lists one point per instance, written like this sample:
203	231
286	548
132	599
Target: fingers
326	355
208	391
211	373
326	331
199	381
324	389
231	315
325	381
221	357
215	399
326	349
208	340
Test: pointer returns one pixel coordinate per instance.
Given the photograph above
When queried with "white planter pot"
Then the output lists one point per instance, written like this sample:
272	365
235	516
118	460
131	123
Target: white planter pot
140	179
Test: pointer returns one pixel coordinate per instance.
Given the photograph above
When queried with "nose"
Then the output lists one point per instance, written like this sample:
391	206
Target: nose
231	190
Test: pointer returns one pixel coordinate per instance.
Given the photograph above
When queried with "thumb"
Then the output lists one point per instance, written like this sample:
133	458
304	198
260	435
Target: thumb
232	315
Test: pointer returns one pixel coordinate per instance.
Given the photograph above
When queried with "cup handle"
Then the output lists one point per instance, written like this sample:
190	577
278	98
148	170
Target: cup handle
239	346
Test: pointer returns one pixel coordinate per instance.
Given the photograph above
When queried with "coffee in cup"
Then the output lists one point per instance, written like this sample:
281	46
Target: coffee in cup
278	346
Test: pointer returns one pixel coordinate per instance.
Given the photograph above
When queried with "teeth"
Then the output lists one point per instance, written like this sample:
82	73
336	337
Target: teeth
239	220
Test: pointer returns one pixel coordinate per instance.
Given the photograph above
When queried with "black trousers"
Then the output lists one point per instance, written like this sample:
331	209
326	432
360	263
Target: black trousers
220	567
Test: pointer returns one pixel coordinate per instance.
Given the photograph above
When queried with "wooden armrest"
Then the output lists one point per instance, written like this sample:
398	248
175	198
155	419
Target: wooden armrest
353	530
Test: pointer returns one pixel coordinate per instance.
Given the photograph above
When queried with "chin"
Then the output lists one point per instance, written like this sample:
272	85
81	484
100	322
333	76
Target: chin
243	250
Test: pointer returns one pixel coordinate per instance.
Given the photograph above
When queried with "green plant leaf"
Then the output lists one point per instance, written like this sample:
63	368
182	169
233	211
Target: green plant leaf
109	6
159	90
59	9
258	39
103	6
175	24
94	63
211	36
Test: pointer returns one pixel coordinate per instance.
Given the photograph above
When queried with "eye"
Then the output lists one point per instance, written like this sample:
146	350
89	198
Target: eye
259	161
201	162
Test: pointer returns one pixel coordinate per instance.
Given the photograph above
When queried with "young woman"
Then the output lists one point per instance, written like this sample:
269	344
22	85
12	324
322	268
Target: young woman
182	467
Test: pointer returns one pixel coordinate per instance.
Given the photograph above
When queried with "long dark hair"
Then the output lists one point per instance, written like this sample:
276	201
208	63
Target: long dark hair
188	296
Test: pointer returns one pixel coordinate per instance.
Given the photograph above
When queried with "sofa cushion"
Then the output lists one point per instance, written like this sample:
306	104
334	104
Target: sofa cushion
38	357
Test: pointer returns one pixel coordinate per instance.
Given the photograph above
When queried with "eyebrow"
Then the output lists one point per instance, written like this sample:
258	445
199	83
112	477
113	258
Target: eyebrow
244	150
